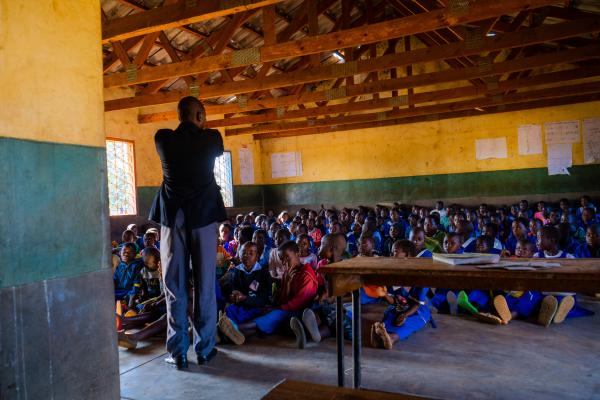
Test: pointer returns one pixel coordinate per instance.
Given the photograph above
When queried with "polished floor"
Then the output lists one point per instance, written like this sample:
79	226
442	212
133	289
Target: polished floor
460	359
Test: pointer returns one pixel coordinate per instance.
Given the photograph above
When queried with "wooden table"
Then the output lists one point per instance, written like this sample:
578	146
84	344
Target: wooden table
348	276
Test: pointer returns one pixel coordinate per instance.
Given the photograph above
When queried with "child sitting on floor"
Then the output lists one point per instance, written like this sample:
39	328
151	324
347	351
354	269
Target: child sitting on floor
408	314
417	236
591	247
127	278
247	290
298	290
306	257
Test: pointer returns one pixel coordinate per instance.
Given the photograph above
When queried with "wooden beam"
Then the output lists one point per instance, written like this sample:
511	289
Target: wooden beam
514	39
174	16
436	117
423	97
144	51
269	25
346	38
423	110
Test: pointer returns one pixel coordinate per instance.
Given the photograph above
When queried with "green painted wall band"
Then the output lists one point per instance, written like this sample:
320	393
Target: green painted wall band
53	211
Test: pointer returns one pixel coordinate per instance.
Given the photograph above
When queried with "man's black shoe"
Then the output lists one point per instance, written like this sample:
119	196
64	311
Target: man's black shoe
180	361
203	360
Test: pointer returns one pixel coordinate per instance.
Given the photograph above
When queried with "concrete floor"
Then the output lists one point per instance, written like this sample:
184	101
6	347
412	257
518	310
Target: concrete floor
460	359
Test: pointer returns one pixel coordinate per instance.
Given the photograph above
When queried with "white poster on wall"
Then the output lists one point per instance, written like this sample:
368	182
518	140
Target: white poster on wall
562	132
591	140
246	166
284	165
530	139
560	157
491	148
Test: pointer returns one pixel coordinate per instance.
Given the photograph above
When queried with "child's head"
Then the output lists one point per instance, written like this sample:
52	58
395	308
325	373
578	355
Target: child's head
452	243
339	245
288	253
534	226
335	227
395	231
554	217
417	236
564	204
273	228
310	224
403	248
249	255
484	244
128	252
356	229
128	236
587	215
327	248
302	228
259	238
366	245
303	243
370	225
149	239
151	257
524	249
519	228
246	233
584	200
592	235
523	205
547	238
464	229
282	236
134	228
225	233
490	229
430	224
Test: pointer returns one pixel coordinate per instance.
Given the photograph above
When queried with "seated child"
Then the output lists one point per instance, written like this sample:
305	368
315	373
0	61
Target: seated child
417	236
224	234
306	257
518	233
352	239
591	247
403	249
434	238
127	278
247	290
394	235
298	290
484	244
151	308
129	236
224	260
453	243
314	232
371	294
408	314
444	300
150	240
276	267
264	251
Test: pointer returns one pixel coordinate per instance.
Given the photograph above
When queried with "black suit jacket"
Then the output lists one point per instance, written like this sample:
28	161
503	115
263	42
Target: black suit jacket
187	155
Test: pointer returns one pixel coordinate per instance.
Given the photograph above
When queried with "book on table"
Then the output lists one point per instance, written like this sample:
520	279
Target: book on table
466	258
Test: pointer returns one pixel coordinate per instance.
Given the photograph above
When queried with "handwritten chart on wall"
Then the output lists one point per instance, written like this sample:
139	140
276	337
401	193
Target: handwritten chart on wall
246	166
562	132
530	139
490	148
591	140
285	165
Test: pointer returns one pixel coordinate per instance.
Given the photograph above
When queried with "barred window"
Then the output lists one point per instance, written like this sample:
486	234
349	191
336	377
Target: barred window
121	177
223	176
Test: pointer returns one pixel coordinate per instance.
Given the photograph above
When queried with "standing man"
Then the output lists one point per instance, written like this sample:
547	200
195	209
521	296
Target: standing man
188	207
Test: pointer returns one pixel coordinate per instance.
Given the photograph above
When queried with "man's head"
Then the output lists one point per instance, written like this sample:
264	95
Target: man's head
190	109
249	255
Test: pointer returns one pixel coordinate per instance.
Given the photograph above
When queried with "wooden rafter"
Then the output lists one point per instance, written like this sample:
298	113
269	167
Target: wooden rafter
347	38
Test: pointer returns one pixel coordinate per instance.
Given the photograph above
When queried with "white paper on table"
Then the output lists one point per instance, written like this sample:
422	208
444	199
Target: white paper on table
560	157
562	132
285	165
530	139
246	166
591	140
490	148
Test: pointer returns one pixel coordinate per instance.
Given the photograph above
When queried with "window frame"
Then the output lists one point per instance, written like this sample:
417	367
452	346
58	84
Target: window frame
231	174
135	176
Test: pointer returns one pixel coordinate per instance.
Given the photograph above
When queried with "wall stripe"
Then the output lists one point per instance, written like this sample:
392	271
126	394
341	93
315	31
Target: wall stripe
53	211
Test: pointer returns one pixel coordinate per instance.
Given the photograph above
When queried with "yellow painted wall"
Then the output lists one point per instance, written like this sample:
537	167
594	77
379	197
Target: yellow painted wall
438	147
51	92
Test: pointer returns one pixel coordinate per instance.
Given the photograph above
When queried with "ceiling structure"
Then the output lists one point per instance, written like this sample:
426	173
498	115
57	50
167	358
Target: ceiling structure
275	68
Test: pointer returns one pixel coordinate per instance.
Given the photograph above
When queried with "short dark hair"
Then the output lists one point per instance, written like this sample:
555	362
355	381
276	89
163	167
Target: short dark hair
129	245
551	233
290	245
187	107
151	251
249	243
487	239
406	246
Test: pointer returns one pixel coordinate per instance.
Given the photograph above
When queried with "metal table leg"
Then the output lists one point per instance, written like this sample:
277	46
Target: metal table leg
339	331
356	337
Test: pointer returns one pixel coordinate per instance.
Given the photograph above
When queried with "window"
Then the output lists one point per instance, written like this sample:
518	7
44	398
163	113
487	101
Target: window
121	177
223	177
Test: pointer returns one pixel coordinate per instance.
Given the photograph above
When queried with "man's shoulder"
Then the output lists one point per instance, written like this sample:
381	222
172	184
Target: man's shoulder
162	134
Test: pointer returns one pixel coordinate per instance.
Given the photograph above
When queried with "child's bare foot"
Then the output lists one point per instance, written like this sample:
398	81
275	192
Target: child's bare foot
376	341
488	318
312	326
547	311
226	327
502	309
383	335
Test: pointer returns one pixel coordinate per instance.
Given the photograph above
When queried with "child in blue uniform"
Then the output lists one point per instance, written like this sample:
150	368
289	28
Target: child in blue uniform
127	278
417	236
591	247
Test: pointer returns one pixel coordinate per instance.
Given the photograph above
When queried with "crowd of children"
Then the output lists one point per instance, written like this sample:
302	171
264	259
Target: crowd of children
268	277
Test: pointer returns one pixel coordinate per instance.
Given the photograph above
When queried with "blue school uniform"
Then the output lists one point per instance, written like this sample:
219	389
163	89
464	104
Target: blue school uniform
584	251
425	253
128	279
560	254
256	285
470	244
525	303
352	243
511	242
413	323
264	258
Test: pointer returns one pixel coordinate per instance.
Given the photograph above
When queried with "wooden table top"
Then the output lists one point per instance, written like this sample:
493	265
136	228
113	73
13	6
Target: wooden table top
573	275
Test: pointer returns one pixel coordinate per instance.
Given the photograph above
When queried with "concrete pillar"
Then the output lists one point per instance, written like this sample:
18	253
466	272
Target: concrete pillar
57	338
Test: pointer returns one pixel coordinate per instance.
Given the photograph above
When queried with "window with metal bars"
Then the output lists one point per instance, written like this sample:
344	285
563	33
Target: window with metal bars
224	178
120	163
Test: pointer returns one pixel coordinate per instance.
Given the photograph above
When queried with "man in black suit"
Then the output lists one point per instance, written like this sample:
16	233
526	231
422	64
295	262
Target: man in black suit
188	207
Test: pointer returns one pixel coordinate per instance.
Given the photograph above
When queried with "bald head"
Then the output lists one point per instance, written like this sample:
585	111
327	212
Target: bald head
190	109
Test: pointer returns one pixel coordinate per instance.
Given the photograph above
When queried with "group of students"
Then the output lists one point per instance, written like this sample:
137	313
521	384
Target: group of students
269	279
